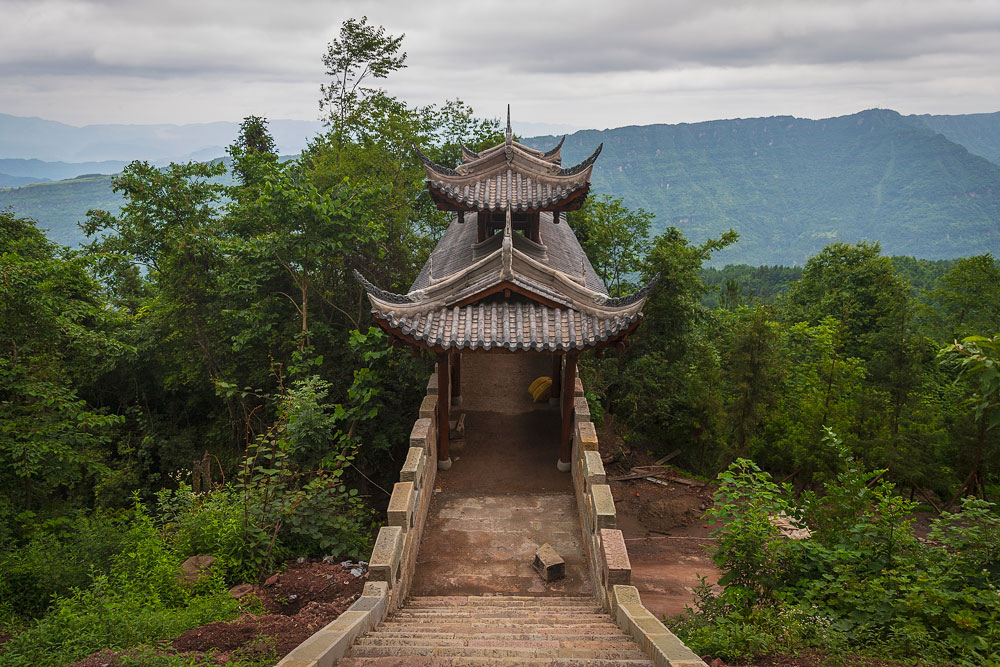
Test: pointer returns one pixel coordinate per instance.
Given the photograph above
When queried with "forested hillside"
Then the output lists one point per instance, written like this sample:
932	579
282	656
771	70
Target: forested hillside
61	206
979	132
204	379
788	186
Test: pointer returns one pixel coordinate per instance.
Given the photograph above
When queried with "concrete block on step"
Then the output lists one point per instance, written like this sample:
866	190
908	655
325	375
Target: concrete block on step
623	595
616	569
375	589
581	409
549	563
422	434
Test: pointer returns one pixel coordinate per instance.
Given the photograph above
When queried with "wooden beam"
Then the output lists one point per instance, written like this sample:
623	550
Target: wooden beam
556	375
443	403
566	437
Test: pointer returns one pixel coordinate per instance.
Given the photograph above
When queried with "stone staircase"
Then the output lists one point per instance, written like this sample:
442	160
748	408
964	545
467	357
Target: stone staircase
496	630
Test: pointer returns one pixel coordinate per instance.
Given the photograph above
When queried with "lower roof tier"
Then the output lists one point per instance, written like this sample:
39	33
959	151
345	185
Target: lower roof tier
509	325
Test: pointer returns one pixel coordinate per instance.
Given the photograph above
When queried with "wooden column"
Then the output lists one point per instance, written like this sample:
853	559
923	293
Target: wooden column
566	401
556	375
456	378
443	403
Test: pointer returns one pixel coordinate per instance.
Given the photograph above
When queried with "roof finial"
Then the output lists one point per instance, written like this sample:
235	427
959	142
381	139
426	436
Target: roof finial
509	133
507	251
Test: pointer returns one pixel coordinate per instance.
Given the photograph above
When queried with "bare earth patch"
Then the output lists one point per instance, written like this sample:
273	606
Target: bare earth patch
664	528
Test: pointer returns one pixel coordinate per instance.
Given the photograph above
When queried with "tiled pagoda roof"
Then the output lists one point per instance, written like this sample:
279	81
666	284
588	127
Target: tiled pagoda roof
510	176
508	292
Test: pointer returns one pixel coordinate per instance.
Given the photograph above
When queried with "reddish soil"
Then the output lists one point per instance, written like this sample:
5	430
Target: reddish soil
664	528
303	599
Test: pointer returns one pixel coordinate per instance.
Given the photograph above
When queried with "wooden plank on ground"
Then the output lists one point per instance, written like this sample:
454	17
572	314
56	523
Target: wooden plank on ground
653	471
660	461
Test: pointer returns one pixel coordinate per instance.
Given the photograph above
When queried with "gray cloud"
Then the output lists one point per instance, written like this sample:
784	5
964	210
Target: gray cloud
584	63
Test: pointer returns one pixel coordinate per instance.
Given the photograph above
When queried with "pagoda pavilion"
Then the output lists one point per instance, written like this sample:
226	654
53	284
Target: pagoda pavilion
508	276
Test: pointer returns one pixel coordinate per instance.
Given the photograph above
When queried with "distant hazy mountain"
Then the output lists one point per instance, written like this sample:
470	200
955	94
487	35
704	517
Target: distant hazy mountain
787	185
979	132
58	207
791	185
35	171
51	141
12	181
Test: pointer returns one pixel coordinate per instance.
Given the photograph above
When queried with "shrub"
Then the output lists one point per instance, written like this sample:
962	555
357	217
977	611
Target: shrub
861	584
50	556
139	600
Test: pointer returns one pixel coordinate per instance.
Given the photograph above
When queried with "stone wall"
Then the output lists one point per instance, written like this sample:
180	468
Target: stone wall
607	555
394	557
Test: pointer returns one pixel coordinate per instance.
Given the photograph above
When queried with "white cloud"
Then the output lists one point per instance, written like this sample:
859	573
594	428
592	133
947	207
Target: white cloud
581	63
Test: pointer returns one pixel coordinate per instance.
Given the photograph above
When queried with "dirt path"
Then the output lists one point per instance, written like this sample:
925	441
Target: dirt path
503	497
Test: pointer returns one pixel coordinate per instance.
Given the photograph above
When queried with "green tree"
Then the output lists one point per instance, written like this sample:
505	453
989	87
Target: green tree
360	51
58	336
253	145
664	388
614	237
966	300
859	287
977	359
751	375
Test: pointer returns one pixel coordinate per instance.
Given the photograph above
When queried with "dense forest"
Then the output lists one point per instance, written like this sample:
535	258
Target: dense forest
201	378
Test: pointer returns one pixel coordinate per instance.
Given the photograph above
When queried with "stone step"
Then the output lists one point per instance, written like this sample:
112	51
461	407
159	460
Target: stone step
496	630
430	661
427	615
505	609
377	639
501	599
565	634
511	626
493	601
470	626
363	651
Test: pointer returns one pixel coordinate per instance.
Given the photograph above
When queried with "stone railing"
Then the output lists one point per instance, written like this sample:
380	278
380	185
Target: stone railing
607	555
394	557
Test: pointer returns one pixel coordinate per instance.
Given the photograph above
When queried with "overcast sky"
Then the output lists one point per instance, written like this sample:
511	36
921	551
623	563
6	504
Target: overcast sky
582	64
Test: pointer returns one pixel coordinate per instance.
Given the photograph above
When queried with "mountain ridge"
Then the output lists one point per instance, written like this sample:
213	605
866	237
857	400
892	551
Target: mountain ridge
788	185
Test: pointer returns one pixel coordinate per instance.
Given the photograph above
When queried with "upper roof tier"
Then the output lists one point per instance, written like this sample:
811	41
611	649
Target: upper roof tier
510	176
